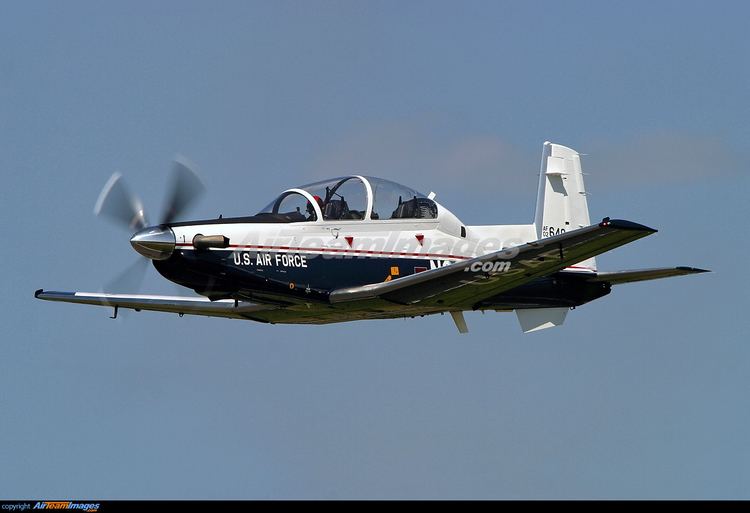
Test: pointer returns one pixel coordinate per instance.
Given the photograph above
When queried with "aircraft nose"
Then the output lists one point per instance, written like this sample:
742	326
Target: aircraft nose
154	242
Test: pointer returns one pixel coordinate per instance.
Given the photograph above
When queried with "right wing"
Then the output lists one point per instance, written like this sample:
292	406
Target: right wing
464	284
176	304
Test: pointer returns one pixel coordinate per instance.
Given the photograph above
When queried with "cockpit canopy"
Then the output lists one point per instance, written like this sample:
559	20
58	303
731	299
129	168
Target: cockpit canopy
352	198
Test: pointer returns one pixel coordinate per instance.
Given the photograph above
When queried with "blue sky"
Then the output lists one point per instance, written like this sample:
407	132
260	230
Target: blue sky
642	394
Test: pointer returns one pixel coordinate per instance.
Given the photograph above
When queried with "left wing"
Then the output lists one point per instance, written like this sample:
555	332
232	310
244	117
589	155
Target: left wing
464	284
176	304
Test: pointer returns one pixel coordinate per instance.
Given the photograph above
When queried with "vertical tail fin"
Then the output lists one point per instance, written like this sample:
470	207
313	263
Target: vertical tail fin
561	202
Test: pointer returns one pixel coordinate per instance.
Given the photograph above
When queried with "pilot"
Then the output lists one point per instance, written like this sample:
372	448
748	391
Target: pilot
311	210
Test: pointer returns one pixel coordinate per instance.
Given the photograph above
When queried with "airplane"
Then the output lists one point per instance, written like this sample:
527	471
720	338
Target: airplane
359	247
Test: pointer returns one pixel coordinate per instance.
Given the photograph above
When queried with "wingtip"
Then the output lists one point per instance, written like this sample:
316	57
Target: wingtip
623	224
693	270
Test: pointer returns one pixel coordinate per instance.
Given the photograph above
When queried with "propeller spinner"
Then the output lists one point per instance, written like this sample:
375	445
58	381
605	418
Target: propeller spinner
154	242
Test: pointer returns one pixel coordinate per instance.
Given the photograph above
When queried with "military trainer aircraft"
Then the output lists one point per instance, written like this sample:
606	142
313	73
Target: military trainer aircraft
360	247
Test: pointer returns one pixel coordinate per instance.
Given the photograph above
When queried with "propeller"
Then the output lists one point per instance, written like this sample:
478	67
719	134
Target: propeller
118	204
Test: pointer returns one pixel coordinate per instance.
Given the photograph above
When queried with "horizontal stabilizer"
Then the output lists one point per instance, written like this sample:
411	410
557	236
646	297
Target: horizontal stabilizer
618	277
535	319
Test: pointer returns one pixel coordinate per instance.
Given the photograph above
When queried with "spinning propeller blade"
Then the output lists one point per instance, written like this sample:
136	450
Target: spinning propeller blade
186	187
128	280
120	205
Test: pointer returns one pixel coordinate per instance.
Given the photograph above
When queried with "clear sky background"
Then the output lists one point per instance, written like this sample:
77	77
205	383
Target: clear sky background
642	394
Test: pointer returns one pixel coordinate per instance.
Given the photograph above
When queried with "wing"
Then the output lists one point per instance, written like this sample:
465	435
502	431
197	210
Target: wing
618	277
176	304
464	284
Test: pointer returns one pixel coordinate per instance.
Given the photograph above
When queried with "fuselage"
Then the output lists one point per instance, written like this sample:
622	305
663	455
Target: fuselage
304	261
343	233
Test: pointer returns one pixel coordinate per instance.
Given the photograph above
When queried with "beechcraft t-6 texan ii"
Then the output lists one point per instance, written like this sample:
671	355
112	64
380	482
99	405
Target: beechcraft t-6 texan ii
359	247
